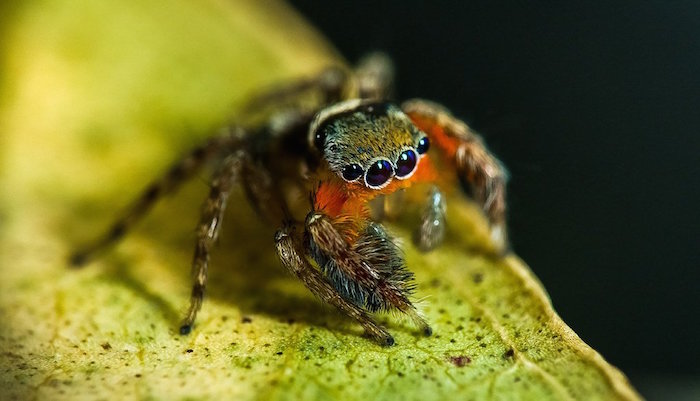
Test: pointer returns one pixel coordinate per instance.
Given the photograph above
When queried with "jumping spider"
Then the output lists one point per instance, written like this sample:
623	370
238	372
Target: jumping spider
350	147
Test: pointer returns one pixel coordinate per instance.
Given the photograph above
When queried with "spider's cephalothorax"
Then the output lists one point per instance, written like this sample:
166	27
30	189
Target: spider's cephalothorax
354	146
368	142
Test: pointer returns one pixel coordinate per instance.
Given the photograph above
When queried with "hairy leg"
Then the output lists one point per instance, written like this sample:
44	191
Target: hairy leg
263	192
373	79
208	230
370	272
330	84
483	177
168	183
375	76
290	253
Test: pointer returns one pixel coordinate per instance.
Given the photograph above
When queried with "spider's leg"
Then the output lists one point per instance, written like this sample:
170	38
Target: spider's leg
482	176
375	76
208	230
370	272
291	254
330	84
263	192
168	183
431	231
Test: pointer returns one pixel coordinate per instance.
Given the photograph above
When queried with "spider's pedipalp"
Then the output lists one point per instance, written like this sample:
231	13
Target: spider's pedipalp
292	257
363	264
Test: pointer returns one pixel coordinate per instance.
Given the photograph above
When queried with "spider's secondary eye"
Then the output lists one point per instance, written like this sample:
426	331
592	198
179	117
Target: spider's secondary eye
319	140
406	163
378	174
423	145
352	172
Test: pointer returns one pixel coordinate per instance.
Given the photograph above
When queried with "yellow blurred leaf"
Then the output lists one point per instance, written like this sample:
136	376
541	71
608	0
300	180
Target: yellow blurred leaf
97	98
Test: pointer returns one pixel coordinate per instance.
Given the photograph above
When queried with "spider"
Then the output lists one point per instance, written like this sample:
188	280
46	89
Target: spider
345	148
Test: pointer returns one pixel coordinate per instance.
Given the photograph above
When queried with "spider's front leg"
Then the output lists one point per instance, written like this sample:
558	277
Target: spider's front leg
482	176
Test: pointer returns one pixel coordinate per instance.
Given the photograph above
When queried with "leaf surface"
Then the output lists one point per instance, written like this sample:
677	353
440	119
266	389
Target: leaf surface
97	98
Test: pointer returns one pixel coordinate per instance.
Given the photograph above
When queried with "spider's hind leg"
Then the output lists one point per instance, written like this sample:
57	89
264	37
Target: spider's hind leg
375	76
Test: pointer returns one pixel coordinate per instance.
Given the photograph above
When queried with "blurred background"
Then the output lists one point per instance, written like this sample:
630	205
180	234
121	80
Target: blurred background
595	109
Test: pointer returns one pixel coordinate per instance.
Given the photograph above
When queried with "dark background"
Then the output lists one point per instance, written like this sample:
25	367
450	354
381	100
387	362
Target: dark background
595	109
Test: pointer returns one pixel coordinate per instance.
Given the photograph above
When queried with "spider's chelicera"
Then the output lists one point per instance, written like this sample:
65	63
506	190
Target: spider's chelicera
355	145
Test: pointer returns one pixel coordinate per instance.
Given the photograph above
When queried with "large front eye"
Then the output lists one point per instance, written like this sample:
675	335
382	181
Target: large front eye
378	174
352	172
406	164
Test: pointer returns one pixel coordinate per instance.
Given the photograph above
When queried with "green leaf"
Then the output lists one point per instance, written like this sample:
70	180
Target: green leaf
97	98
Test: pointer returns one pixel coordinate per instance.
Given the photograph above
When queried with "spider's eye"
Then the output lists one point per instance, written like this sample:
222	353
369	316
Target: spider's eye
352	172
423	145
406	164
319	139
378	174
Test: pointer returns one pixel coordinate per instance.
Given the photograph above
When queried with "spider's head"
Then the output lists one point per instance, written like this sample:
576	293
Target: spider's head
368	142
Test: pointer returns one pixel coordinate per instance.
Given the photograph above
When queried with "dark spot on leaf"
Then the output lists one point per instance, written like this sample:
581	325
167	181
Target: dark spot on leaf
460	361
190	350
246	319
106	346
509	354
478	278
278	353
137	375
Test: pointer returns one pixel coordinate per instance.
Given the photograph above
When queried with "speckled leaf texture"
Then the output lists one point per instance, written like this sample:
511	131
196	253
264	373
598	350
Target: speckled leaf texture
98	98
